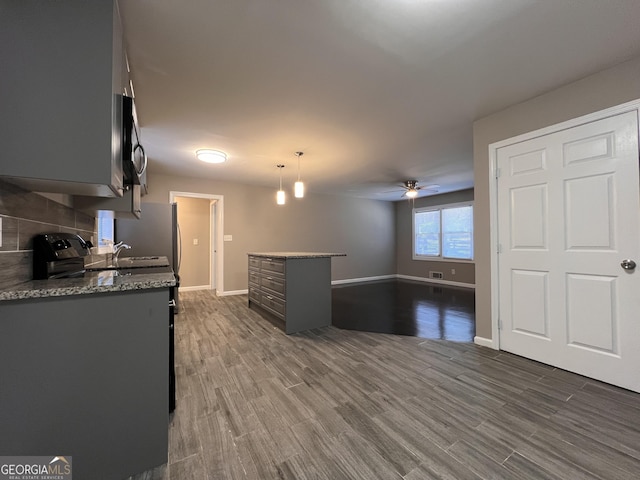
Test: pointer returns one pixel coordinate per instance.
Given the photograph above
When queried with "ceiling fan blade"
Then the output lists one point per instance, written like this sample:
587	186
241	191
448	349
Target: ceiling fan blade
389	191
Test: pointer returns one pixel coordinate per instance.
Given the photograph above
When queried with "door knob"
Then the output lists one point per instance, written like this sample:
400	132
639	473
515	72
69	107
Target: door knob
628	264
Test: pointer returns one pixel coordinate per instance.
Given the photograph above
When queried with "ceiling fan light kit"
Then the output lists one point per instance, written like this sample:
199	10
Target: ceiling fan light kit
411	193
412	190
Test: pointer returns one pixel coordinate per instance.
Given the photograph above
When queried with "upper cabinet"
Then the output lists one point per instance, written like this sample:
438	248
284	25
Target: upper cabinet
63	75
126	206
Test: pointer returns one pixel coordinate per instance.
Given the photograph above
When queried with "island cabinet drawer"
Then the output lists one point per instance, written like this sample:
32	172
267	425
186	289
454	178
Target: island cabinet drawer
274	265
254	294
274	304
254	277
254	262
273	283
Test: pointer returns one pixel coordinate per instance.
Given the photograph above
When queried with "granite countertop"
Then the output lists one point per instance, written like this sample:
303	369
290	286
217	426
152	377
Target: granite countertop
92	282
107	262
286	255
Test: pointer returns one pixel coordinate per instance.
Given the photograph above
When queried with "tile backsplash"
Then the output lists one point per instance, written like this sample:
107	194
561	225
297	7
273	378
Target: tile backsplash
25	214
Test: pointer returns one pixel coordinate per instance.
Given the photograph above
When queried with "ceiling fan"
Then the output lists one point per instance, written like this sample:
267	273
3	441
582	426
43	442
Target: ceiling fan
411	188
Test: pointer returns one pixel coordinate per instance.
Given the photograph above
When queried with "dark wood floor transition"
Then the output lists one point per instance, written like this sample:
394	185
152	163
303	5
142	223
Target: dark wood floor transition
404	307
254	403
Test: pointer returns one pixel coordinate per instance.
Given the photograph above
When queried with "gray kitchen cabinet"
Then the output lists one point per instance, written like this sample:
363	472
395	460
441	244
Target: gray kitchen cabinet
63	74
127	206
292	288
86	376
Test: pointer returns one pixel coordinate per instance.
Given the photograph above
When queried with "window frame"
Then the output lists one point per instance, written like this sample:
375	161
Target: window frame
441	257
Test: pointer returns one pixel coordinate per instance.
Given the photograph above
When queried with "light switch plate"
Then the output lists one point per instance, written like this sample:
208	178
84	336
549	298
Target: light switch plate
228	238
195	241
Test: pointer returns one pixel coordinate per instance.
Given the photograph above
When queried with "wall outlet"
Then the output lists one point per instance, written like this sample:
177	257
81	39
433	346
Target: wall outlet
453	271
228	238
196	241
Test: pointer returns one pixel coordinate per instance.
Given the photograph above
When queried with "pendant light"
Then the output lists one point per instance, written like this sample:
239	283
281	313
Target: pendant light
298	187
280	196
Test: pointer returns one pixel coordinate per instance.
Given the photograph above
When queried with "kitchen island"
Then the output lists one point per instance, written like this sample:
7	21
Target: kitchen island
292	288
83	366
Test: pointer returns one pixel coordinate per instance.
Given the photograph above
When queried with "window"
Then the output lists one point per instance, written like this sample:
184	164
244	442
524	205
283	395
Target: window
105	228
444	232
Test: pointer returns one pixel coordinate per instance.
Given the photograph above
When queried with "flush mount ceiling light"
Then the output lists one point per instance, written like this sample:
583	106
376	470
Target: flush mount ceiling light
211	156
298	187
280	196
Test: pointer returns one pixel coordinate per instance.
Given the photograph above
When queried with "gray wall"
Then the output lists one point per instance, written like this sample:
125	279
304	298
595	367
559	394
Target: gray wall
465	272
194	216
25	214
605	89
363	229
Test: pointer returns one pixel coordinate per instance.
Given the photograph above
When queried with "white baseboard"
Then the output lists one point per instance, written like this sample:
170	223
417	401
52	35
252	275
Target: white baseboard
363	279
231	292
218	292
440	282
194	288
347	281
484	342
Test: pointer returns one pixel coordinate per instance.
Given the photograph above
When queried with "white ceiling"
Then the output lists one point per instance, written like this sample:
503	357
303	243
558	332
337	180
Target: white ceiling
374	92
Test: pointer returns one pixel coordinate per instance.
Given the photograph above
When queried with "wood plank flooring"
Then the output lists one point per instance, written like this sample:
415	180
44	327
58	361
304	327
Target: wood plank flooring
254	403
405	307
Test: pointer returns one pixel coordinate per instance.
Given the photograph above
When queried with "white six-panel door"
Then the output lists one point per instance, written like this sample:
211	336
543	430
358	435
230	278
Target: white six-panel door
568	215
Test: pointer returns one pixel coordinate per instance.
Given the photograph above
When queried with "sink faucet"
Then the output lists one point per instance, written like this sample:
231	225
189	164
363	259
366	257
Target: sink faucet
117	248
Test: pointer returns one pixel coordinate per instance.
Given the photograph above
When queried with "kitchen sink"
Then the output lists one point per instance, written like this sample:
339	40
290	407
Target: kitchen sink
129	263
141	271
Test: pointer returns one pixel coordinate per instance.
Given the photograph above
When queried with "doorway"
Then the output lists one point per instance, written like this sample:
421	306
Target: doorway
200	218
567	209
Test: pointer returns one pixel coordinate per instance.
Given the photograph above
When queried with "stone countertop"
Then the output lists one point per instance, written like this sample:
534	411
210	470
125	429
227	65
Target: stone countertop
107	262
92	282
287	255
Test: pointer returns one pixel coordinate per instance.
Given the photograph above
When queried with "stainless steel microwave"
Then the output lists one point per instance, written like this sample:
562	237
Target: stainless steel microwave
134	159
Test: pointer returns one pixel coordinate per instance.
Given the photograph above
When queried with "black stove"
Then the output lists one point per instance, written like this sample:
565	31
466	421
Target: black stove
58	255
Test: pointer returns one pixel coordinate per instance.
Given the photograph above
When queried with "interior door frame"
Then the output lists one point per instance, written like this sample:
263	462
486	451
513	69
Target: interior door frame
493	199
216	223
213	252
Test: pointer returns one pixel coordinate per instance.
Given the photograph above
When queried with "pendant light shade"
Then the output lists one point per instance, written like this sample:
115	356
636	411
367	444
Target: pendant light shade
298	187
280	195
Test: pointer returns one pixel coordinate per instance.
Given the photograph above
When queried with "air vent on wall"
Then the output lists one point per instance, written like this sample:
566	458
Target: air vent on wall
438	275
